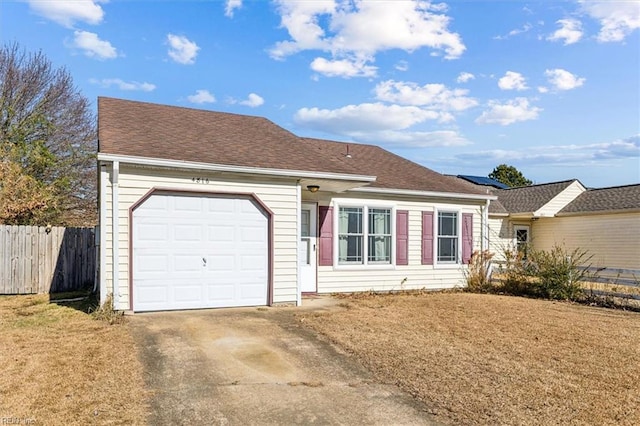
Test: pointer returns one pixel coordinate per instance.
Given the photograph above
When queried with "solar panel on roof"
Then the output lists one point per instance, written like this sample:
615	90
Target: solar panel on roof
481	180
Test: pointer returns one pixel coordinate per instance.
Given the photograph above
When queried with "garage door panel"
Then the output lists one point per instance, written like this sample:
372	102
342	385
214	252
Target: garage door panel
199	252
216	233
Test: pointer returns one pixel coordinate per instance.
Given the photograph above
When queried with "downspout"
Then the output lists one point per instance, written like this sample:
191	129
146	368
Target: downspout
115	232
298	243
103	233
485	227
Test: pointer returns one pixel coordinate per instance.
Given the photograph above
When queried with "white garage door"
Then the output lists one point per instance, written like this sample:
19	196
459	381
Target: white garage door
193	252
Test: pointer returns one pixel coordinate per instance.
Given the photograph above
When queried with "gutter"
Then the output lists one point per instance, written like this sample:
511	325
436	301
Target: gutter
415	193
189	165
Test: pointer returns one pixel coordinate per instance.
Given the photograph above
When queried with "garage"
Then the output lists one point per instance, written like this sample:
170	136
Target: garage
193	251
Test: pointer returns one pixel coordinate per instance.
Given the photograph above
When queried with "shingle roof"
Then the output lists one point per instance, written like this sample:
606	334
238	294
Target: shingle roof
391	170
528	199
605	199
174	133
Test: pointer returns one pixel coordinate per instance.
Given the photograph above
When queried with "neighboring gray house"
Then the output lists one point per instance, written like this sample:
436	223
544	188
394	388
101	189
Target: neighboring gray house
603	221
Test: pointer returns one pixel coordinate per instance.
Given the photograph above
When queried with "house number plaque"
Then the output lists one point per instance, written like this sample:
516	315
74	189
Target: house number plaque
199	180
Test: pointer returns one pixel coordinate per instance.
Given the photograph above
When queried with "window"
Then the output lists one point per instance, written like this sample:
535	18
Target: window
448	237
350	235
364	230
379	249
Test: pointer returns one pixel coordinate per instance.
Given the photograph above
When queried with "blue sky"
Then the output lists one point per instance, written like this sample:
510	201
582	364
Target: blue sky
551	87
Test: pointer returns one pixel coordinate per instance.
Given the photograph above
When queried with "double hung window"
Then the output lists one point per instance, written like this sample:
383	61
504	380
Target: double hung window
448	237
364	235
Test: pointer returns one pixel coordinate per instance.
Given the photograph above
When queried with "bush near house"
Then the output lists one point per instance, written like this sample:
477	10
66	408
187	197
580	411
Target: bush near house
555	274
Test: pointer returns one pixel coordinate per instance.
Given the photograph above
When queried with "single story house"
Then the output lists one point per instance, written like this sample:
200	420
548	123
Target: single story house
202	209
603	221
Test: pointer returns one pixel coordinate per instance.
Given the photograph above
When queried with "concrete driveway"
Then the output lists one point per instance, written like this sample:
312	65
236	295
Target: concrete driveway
258	366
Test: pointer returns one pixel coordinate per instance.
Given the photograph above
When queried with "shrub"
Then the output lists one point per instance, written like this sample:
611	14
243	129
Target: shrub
478	272
554	274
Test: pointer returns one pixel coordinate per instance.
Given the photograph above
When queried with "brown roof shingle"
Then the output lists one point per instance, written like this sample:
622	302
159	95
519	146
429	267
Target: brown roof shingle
528	199
605	199
142	129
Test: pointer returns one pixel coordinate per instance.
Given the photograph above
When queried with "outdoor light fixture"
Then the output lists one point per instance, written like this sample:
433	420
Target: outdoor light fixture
313	188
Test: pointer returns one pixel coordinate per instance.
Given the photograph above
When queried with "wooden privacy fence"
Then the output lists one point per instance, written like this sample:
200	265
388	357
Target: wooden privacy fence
46	259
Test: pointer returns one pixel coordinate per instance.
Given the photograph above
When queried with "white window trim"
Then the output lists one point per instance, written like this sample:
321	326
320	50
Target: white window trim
365	205
447	265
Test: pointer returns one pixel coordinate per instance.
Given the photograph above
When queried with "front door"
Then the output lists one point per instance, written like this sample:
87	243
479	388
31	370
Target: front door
308	243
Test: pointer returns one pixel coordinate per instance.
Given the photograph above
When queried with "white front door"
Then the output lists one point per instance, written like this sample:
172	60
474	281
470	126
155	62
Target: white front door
308	245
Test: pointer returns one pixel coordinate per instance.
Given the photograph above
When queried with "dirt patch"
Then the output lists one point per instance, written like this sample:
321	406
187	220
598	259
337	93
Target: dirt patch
60	366
486	359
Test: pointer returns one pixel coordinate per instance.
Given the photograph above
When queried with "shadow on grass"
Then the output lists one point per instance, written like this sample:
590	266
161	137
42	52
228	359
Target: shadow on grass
81	300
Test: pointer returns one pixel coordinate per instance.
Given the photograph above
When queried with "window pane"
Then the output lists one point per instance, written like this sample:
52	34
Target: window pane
447	249
305	223
379	249
448	224
350	249
380	221
350	220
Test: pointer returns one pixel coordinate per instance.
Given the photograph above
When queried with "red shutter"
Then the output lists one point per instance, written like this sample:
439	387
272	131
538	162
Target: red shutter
325	242
427	238
402	237
467	237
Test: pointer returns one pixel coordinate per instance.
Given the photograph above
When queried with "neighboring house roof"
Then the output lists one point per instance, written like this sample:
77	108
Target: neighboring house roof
139	129
618	198
528	199
484	181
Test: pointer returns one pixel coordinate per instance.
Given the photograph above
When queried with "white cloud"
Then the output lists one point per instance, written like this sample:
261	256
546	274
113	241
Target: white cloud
345	29
201	96
563	80
464	77
402	66
441	138
565	155
525	28
570	31
231	6
543	89
432	96
123	85
617	19
253	101
66	13
512	81
92	46
369	116
343	68
181	49
508	113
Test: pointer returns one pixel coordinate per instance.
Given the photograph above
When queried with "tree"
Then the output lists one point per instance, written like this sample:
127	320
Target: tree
48	142
510	176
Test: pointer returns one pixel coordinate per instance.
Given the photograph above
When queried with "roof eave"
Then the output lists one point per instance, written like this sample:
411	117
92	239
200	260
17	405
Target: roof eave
191	165
415	193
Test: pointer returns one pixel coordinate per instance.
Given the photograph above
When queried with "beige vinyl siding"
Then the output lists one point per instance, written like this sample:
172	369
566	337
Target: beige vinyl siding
558	202
406	277
612	239
500	237
280	196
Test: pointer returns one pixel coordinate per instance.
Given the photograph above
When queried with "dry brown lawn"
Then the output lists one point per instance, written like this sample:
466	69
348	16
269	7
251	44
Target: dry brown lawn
486	359
60	366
